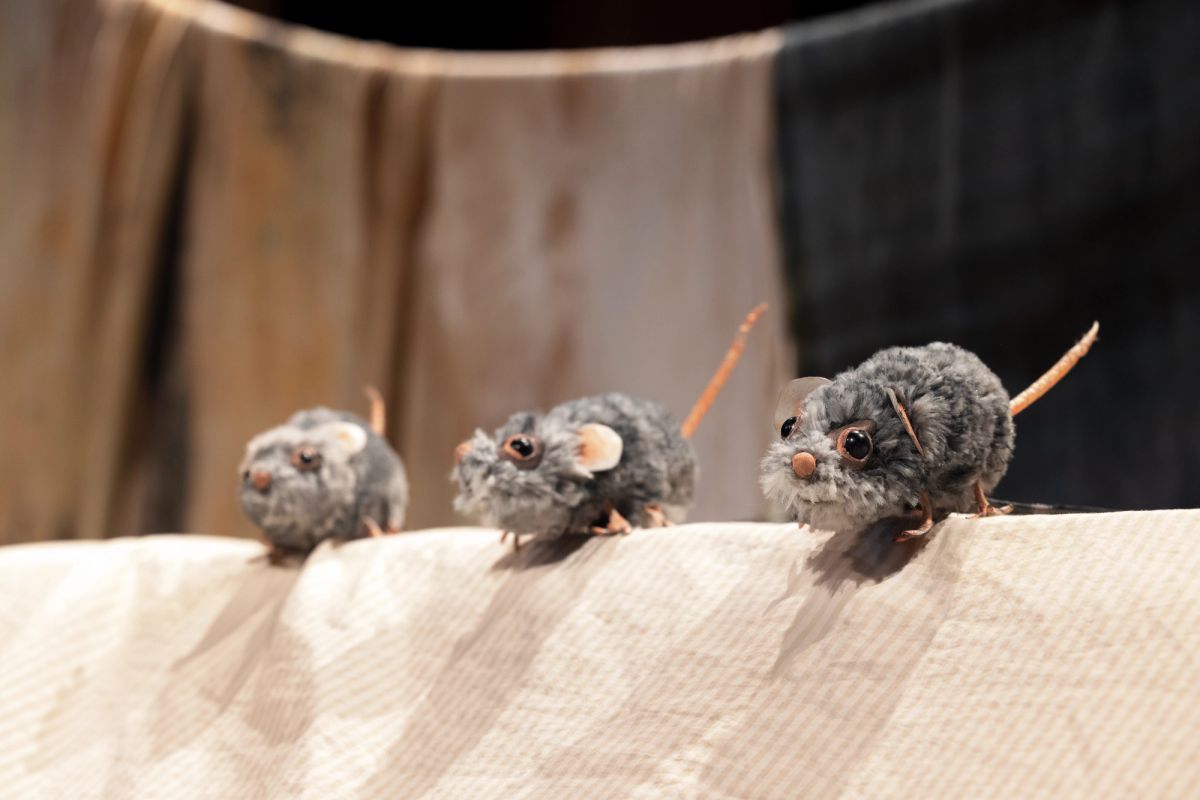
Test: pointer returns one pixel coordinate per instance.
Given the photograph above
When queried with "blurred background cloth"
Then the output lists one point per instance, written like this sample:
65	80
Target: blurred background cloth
999	173
229	219
211	220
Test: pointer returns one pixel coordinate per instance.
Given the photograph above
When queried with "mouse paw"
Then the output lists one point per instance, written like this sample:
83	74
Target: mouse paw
986	509
373	529
991	511
616	524
926	510
275	556
904	536
658	519
516	539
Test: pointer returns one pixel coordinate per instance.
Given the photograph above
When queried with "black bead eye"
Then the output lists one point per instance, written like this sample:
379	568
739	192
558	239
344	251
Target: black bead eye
788	426
856	443
306	458
523	449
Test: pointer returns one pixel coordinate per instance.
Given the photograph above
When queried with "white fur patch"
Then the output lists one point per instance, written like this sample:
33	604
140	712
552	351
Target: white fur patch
778	488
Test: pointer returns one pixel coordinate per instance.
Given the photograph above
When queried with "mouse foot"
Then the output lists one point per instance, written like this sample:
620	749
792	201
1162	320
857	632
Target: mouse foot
373	529
616	524
991	511
657	518
276	557
516	539
986	509
926	521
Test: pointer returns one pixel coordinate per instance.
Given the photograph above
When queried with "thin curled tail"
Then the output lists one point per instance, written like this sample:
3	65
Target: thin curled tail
717	382
378	418
1055	374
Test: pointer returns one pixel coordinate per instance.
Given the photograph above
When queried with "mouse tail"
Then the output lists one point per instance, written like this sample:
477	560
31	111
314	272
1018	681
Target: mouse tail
378	417
1055	374
717	382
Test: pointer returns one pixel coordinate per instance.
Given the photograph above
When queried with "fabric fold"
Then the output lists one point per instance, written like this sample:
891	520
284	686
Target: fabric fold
283	216
1020	655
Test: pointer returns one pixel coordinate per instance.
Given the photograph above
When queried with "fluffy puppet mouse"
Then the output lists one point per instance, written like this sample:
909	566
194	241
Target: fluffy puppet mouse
600	464
912	430
324	474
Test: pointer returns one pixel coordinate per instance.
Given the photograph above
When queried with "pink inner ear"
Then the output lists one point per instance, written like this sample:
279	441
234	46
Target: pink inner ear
599	447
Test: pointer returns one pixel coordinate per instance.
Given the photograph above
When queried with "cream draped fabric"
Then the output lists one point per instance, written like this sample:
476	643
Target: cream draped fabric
212	220
1007	657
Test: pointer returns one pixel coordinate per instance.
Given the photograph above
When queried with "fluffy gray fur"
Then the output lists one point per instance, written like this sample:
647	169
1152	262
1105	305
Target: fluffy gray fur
958	409
302	508
657	466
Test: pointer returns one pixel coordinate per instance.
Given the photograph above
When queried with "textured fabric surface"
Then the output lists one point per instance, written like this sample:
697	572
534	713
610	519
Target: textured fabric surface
997	174
211	221
1019	657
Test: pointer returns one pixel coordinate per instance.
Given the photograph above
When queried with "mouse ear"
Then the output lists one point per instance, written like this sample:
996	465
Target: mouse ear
791	399
349	437
600	448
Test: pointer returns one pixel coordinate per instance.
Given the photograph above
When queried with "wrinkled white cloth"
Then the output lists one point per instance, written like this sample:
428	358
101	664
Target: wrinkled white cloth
1031	656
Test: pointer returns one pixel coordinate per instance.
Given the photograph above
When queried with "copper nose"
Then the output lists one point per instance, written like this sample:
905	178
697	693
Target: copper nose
803	464
461	451
261	480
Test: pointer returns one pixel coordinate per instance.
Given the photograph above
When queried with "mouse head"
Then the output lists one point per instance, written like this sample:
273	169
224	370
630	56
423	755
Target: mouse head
300	479
531	474
846	453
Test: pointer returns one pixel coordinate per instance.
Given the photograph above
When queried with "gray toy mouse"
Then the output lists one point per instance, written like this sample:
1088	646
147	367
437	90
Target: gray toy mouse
926	430
598	464
324	474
